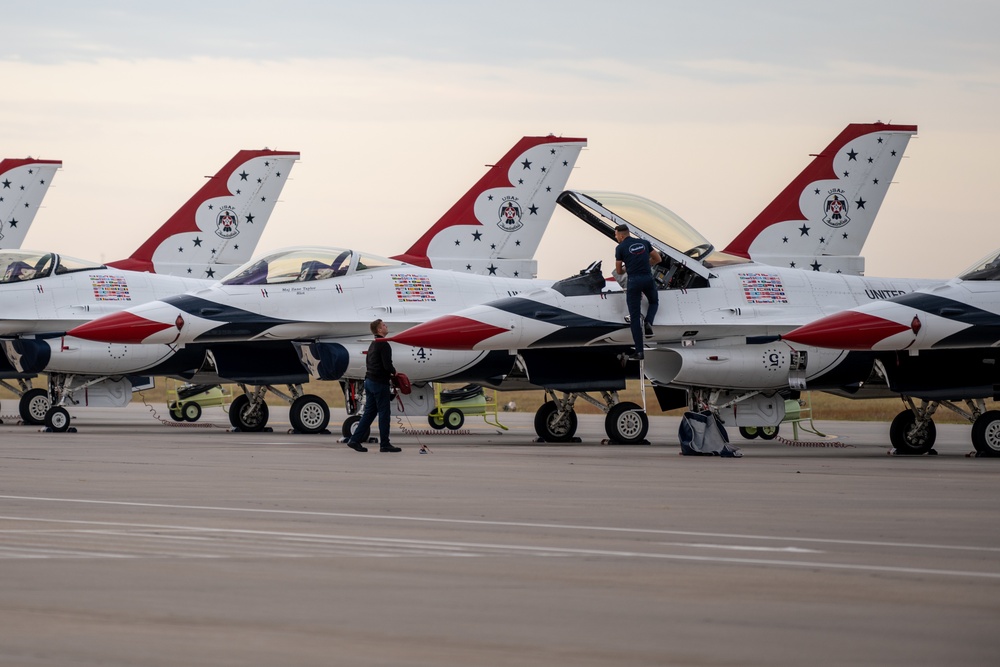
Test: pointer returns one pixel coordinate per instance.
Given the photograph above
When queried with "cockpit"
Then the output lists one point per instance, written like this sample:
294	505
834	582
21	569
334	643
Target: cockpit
988	268
23	265
688	257
302	265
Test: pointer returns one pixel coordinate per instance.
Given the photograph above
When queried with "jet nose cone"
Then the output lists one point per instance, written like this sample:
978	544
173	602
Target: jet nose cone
849	330
450	332
119	328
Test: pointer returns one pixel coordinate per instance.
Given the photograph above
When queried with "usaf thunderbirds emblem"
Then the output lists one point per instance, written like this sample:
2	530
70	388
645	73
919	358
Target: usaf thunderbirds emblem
510	215
835	209
226	225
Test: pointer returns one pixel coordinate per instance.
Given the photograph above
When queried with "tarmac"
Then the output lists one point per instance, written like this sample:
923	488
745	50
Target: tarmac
136	541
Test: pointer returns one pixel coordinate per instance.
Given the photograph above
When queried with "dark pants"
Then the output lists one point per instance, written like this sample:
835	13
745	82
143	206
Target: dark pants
377	399
637	286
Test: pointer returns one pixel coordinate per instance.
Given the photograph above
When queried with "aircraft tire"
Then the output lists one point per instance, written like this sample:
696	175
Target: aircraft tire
57	419
349	425
549	428
33	405
454	418
986	433
240	417
768	432
749	432
309	414
626	423
909	443
191	412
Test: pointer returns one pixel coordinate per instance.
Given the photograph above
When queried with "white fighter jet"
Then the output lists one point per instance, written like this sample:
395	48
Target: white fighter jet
331	316
488	237
23	184
939	345
42	293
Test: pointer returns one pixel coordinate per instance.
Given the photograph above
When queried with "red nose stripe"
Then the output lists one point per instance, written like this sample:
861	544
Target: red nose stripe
849	330
118	328
450	332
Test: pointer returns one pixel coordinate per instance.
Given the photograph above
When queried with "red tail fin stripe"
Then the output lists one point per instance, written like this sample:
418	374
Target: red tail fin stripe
786	205
184	219
13	163
461	213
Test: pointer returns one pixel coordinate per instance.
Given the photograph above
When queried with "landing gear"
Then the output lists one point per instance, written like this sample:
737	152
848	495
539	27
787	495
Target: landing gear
913	431
986	433
57	419
247	415
33	406
912	435
626	423
351	425
309	414
554	423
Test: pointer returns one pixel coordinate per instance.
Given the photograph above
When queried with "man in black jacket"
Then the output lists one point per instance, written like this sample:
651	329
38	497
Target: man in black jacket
377	394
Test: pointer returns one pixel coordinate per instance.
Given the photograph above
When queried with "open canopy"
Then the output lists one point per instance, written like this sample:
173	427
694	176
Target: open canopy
667	231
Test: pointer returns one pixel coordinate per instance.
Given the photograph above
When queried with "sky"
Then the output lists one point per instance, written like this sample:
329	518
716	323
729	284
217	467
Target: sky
708	108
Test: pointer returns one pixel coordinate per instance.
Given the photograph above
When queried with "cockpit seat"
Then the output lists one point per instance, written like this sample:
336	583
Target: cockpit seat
588	281
313	270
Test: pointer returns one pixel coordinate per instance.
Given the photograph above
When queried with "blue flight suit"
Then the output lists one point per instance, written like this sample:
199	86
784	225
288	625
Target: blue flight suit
634	254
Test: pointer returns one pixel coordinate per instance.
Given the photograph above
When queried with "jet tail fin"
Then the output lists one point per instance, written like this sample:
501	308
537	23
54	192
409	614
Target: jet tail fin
495	228
822	219
23	184
218	228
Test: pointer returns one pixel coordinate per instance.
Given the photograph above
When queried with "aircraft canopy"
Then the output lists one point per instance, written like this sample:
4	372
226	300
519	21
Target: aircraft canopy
988	268
304	265
21	265
667	231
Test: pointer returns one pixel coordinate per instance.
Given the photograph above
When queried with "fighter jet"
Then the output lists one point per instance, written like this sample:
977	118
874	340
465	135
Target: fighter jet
488	237
716	337
42	293
233	313
961	313
939	344
23	184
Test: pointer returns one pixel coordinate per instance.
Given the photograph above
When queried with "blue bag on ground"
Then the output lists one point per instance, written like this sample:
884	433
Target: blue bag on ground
702	434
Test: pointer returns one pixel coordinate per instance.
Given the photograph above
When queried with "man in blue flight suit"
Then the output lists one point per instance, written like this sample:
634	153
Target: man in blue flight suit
636	257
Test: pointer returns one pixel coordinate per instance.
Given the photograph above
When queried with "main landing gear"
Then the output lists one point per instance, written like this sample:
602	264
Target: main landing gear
625	422
308	413
913	430
32	404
